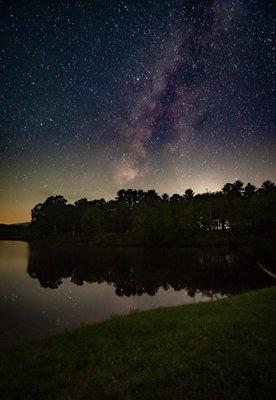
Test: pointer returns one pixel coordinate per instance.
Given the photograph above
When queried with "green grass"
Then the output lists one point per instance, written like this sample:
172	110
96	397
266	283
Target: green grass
218	350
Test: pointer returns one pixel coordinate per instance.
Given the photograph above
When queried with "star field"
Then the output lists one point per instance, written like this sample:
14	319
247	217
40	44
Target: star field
98	96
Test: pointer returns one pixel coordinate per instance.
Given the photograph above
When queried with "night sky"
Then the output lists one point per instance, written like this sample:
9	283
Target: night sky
102	95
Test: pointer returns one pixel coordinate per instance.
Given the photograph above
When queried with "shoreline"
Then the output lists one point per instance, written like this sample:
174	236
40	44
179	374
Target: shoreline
178	351
231	243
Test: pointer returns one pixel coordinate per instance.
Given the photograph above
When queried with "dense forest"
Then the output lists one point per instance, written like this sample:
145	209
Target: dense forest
145	217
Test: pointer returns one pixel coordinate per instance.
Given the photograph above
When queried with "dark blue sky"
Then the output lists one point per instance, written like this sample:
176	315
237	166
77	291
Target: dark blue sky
98	96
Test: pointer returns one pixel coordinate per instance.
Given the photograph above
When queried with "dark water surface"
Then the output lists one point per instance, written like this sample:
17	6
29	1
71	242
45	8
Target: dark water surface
44	290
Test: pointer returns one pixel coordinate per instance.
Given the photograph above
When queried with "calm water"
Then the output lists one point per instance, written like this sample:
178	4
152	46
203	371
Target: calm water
46	290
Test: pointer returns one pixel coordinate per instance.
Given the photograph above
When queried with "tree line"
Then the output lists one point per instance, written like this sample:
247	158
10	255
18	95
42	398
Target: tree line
145	217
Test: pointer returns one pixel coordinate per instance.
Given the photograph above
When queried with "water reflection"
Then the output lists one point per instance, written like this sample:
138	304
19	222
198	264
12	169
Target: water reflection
81	285
136	271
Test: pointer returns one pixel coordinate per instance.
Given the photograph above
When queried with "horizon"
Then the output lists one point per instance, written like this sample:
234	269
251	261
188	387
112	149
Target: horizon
74	199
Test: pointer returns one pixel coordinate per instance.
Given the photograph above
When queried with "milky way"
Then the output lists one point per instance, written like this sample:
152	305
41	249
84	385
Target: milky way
98	96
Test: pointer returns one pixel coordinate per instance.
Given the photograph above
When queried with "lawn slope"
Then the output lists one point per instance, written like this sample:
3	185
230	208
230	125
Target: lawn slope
218	350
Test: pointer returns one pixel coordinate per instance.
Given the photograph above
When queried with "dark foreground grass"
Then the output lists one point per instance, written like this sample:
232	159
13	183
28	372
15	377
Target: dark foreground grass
218	350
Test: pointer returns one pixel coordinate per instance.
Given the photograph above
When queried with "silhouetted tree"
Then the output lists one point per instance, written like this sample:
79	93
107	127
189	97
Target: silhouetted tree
165	197
268	185
227	189
249	189
49	218
176	198
189	194
237	188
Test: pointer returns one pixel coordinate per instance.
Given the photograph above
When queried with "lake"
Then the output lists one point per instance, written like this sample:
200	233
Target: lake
49	289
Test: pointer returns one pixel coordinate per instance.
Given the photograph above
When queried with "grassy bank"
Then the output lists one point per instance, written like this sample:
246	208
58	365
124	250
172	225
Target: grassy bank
218	350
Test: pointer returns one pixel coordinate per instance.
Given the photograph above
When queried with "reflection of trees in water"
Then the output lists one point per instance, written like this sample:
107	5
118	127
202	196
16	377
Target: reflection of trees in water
135	271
